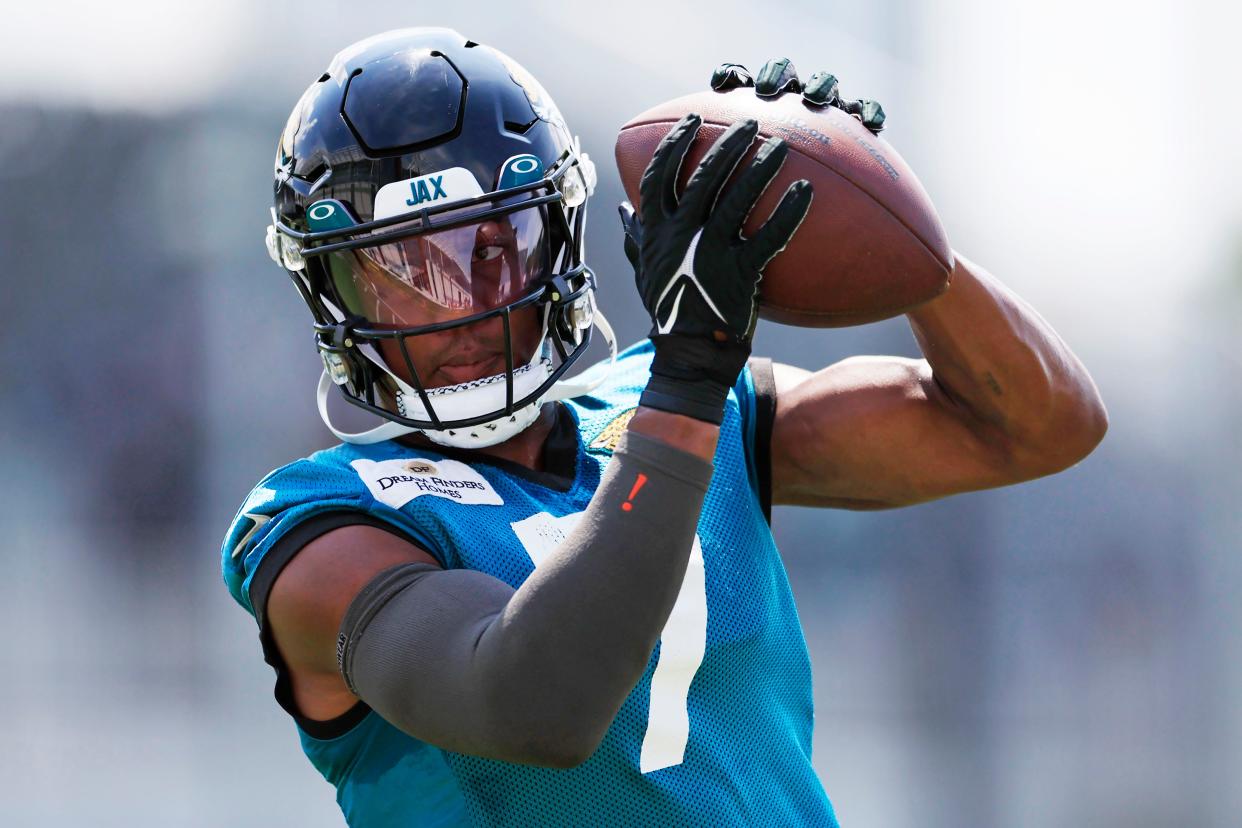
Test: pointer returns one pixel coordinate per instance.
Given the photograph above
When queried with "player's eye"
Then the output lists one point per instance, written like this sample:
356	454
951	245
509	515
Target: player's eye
487	252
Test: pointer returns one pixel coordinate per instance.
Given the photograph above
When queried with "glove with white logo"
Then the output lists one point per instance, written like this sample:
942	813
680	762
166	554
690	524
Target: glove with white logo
698	277
778	75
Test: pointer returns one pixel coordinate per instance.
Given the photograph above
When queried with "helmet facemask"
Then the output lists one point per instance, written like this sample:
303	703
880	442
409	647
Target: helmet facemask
428	191
382	289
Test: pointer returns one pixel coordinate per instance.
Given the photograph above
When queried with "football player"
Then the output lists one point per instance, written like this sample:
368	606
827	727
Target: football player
531	597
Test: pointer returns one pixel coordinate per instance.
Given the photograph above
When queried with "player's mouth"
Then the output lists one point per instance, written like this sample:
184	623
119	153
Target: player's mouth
461	369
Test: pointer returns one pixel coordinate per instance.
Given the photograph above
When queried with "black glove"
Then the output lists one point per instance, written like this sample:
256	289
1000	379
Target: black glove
698	278
778	75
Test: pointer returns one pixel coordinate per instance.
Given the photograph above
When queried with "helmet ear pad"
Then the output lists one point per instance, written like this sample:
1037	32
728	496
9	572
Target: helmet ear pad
341	358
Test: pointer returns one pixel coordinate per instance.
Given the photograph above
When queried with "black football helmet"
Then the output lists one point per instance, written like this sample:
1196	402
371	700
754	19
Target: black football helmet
425	183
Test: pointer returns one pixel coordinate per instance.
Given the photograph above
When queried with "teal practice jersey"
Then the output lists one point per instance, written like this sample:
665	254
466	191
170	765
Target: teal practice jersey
716	733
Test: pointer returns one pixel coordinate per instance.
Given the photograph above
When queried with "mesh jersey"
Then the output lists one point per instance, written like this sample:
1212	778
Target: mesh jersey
716	733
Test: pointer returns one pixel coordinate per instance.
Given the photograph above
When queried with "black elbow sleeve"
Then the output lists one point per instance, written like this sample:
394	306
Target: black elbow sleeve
459	659
369	601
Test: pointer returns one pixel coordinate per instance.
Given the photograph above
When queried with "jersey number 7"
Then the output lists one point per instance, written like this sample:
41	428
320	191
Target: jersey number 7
682	643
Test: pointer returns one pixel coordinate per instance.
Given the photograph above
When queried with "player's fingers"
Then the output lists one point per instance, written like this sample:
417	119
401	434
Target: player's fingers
873	115
776	232
869	112
740	198
633	233
777	75
821	89
717	165
728	76
657	189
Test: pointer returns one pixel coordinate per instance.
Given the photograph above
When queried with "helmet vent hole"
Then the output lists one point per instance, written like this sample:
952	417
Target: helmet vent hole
315	178
520	129
470	44
324	77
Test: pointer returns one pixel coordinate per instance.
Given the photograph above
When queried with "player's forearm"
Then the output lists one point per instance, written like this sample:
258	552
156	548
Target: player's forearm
686	433
603	597
537	675
993	354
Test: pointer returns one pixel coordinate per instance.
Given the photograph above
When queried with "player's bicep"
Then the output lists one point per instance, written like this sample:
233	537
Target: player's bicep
309	597
873	432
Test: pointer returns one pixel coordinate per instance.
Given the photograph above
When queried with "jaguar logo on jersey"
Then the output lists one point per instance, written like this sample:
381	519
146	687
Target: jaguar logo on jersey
396	482
608	438
430	190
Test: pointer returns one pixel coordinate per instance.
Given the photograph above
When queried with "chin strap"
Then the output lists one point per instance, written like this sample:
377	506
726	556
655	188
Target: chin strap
388	430
576	387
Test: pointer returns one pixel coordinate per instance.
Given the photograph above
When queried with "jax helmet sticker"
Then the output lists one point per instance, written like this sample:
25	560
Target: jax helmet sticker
430	190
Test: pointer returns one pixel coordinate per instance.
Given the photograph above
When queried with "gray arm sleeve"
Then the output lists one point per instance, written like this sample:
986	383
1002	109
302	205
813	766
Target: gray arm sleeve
536	675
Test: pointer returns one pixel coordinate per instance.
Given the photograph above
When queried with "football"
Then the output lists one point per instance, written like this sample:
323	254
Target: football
871	246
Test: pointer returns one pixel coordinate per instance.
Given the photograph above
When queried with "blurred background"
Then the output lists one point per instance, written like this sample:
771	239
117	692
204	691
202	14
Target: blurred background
1065	651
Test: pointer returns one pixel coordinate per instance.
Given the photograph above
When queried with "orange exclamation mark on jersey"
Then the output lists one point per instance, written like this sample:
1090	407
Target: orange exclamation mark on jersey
638	484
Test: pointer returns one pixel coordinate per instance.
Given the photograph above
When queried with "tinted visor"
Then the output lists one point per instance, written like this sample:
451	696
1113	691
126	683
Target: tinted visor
444	275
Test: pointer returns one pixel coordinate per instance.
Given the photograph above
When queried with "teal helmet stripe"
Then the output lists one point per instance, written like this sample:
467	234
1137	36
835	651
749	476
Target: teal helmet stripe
519	170
328	214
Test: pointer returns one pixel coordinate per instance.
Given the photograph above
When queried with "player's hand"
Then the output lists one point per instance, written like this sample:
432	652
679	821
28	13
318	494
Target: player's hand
697	276
778	75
